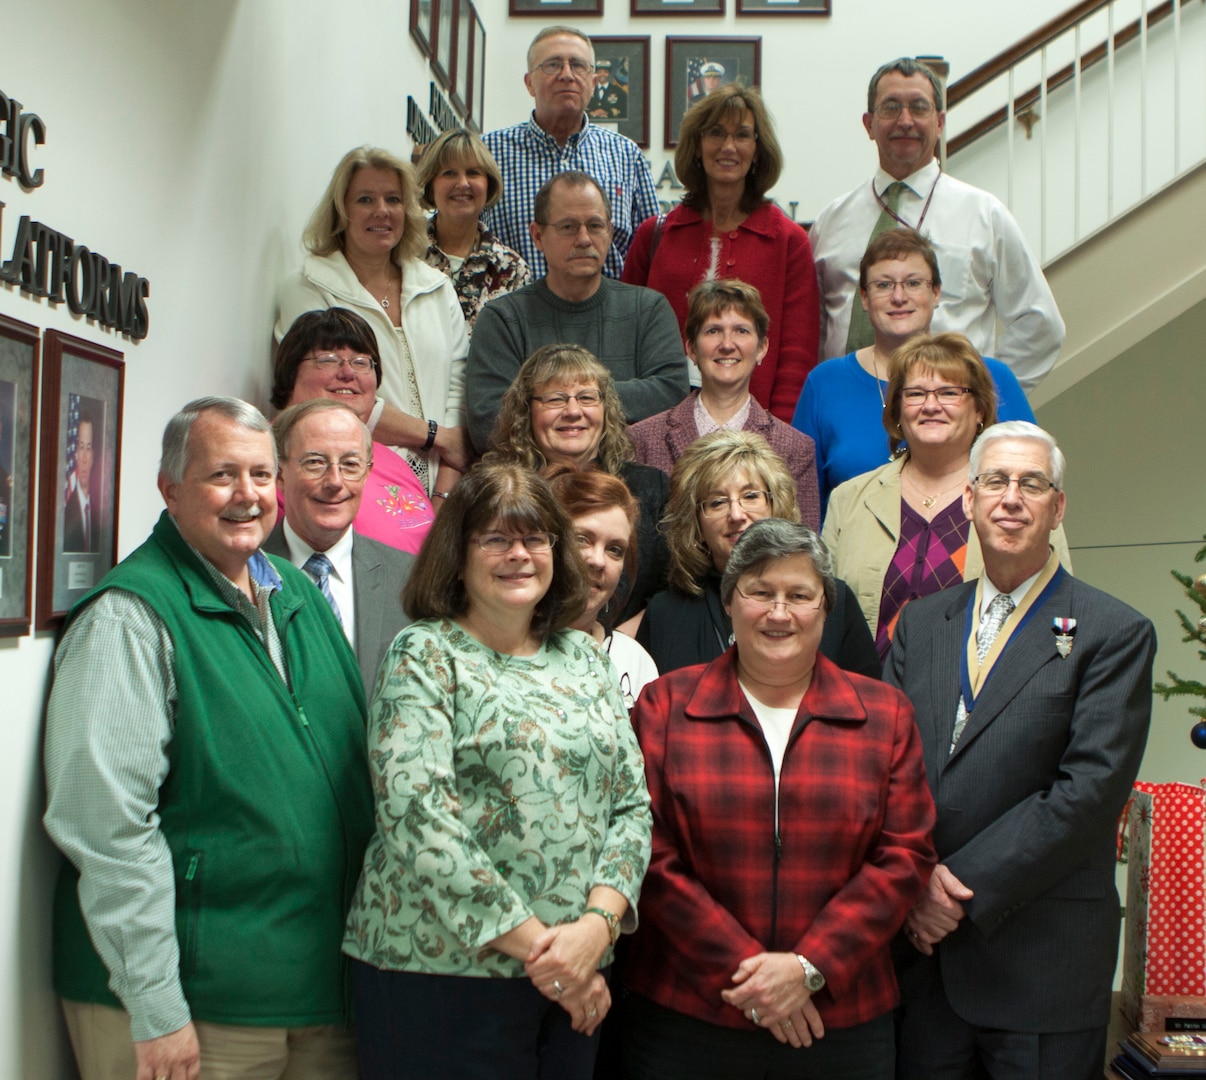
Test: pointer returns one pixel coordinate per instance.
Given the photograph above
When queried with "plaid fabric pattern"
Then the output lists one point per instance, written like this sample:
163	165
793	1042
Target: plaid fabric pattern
853	845
930	557
528	156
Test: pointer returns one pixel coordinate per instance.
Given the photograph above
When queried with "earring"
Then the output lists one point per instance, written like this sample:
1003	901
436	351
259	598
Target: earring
979	427
699	163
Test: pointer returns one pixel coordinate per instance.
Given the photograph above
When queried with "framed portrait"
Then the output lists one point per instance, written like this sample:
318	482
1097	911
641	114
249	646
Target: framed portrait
694	66
477	79
80	470
420	24
18	431
443	47
556	7
782	7
620	99
677	7
462	29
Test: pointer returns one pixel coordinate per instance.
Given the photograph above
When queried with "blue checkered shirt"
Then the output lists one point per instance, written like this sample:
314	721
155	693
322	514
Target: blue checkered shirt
528	156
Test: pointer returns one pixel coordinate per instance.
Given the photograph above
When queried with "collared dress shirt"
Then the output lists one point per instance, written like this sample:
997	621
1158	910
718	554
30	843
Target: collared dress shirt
339	581
988	270
528	156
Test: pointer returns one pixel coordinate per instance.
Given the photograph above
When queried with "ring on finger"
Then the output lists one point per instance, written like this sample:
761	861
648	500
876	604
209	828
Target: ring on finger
592	1014
754	1016
786	1025
558	989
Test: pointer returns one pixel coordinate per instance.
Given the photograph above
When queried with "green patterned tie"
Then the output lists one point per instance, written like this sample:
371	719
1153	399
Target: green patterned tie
860	332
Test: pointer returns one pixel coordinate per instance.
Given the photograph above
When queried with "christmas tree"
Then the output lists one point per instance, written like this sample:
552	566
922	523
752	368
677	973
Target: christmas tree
1195	590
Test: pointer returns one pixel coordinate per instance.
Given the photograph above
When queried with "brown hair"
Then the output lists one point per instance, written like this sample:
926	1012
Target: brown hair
730	100
506	496
454	148
329	328
948	356
283	425
895	244
709	299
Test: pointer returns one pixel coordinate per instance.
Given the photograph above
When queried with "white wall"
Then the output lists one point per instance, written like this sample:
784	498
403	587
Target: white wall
189	141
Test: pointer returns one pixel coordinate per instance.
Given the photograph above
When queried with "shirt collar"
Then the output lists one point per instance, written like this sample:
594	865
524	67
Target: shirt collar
339	553
919	183
990	592
535	129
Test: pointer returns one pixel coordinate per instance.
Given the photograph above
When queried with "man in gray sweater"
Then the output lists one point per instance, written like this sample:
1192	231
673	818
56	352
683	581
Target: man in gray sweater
632	330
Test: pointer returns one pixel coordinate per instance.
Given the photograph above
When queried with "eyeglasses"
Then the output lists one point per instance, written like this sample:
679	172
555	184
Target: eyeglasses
913	286
498	544
751	502
586	399
555	65
919	109
1031	487
742	136
944	395
315	466
767	600
329	362
569	229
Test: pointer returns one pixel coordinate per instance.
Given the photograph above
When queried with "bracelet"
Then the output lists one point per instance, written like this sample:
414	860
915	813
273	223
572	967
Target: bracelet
432	428
441	494
609	917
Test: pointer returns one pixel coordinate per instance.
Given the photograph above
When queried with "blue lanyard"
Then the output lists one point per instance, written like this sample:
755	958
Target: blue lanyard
969	628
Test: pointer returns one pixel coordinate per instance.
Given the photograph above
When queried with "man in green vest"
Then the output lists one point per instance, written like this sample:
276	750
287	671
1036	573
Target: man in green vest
208	784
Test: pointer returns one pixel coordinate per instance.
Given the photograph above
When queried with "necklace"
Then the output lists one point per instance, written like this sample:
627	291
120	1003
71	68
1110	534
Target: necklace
928	501
390	287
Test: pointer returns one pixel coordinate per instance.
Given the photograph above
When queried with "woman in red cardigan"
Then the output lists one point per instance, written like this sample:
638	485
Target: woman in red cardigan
727	160
791	836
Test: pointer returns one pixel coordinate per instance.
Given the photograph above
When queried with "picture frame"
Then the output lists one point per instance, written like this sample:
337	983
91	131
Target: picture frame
783	7
19	348
628	113
686	79
556	7
676	7
461	31
443	45
79	474
477	81
420	25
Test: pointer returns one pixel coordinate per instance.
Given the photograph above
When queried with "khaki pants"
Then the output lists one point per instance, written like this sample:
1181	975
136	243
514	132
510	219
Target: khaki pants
100	1037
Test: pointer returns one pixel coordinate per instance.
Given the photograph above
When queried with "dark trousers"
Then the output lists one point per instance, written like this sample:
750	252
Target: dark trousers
433	1026
661	1044
934	1043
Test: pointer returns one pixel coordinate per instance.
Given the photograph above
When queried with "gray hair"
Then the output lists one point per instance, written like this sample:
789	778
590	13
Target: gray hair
559	31
778	538
908	67
175	436
1019	429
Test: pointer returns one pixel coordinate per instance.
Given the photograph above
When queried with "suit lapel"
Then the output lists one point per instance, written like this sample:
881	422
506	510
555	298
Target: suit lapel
680	427
1029	650
367	588
944	678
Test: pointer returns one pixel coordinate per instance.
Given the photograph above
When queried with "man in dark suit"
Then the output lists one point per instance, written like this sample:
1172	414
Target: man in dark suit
1032	693
79	515
325	452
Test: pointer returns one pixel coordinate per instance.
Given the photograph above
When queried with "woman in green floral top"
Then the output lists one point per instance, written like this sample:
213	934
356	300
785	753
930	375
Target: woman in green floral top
513	823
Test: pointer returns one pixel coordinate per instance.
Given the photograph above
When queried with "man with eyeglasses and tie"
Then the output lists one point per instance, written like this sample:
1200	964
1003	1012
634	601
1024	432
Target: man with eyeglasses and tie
1032	694
559	136
989	272
630	329
207	781
325	455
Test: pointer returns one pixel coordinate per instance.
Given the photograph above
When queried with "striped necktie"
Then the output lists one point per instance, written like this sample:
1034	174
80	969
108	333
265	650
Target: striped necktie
998	611
319	567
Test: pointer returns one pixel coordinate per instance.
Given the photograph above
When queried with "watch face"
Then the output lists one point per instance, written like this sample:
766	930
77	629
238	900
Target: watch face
815	981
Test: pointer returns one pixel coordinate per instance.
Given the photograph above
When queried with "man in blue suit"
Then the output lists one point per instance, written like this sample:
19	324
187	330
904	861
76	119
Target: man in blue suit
1032	693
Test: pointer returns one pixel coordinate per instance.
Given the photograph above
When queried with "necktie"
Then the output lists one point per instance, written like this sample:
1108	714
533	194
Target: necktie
998	611
319	566
860	332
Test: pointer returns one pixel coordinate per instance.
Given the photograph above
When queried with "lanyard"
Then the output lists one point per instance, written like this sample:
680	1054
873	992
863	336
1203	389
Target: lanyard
892	213
969	628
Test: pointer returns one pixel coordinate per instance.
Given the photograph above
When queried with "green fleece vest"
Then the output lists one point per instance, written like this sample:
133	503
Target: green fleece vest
267	806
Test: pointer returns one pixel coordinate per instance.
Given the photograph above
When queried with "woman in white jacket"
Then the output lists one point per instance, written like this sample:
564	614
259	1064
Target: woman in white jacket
366	241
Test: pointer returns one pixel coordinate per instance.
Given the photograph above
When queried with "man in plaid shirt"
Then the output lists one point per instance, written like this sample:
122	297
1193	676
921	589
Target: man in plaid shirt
558	137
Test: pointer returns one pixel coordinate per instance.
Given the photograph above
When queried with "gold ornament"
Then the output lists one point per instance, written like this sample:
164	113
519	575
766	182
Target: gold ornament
1200	584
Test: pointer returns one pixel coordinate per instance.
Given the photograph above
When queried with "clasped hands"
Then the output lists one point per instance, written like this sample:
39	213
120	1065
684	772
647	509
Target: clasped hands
770	992
563	966
938	912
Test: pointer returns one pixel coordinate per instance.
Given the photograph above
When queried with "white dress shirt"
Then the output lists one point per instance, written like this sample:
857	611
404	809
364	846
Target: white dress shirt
988	269
339	580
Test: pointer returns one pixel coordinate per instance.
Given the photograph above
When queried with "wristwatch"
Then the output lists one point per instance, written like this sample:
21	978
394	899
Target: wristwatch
813	979
612	920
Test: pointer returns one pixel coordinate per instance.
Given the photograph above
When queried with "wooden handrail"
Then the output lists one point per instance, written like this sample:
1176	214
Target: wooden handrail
986	72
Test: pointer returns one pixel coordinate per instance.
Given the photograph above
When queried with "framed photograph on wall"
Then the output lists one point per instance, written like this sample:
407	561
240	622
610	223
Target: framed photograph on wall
782	7
557	7
677	7
80	471
461	30
695	66
18	432
420	24
477	84
444	44
620	99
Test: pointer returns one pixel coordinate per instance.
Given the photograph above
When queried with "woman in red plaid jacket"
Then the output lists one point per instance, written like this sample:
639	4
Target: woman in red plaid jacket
791	836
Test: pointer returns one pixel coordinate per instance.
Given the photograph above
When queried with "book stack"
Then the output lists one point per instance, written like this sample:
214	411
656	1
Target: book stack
1150	1054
